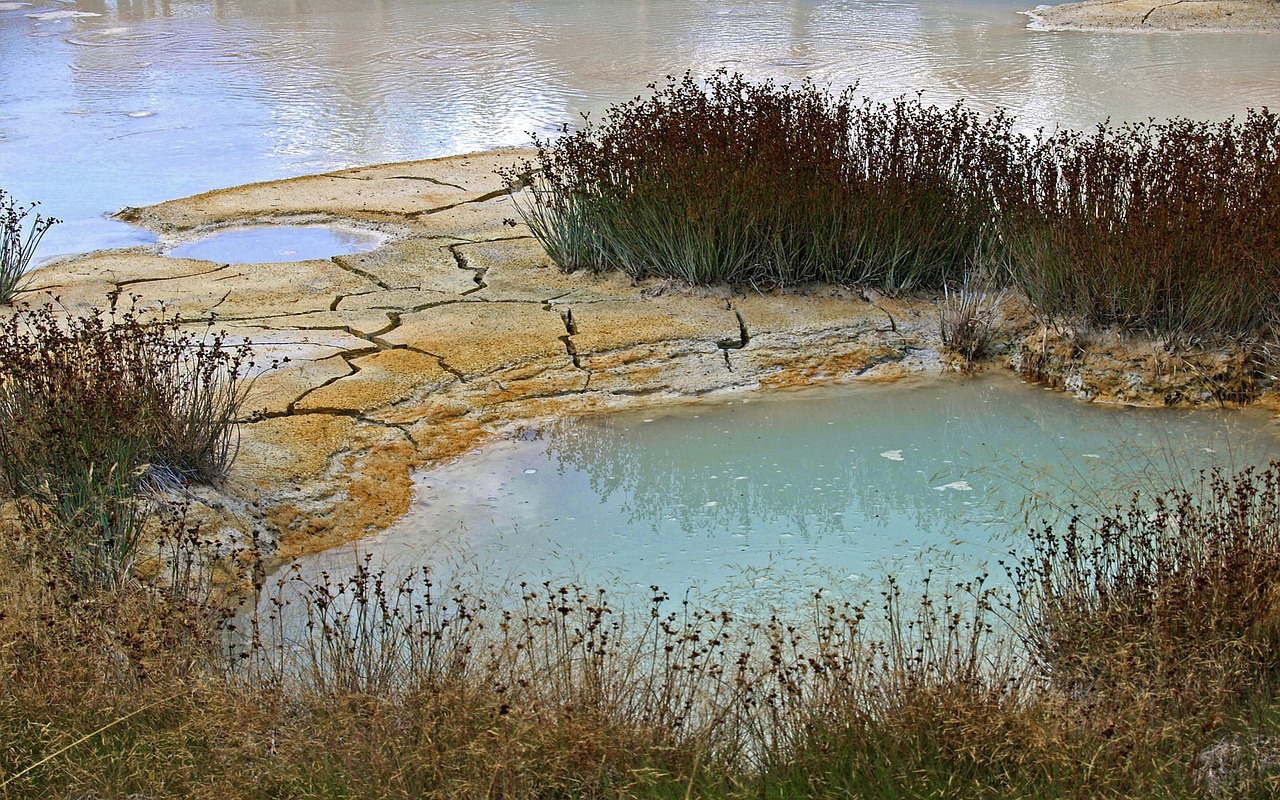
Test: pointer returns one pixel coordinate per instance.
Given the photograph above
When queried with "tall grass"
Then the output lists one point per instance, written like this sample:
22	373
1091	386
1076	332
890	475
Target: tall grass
95	409
17	244
1169	227
1169	602
755	183
1135	658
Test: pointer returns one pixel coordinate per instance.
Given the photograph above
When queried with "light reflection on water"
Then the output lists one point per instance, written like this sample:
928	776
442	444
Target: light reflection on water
767	498
146	101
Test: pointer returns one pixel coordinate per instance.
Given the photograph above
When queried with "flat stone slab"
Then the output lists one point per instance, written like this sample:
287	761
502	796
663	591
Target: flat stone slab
420	263
1139	15
379	381
603	327
477	338
386	193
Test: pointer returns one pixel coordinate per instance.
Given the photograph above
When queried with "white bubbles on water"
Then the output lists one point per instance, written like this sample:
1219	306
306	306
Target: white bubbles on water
530	471
892	455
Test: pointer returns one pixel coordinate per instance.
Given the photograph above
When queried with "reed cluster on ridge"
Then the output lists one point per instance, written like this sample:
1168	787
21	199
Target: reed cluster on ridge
1167	227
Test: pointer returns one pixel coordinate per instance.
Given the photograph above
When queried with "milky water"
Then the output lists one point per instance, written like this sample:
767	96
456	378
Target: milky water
768	497
113	103
263	244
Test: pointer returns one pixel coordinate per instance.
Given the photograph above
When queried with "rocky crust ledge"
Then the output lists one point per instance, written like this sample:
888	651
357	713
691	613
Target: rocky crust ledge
1159	15
458	330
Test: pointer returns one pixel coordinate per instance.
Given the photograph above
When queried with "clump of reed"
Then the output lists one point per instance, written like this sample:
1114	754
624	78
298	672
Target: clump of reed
726	180
96	409
1168	605
1169	227
18	244
968	322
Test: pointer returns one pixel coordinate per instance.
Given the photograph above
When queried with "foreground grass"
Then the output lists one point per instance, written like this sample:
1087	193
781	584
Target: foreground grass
1136	658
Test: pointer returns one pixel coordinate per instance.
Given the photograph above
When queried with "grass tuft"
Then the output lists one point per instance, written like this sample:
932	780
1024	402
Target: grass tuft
96	409
18	244
725	180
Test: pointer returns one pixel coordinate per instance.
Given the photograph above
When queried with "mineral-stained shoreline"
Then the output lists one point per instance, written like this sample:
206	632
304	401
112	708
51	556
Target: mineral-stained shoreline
1160	15
459	330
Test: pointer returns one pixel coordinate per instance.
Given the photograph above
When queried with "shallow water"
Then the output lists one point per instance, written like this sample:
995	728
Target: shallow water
113	103
265	244
766	498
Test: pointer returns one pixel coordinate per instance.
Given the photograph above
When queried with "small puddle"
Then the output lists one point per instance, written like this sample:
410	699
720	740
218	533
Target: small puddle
767	498
265	244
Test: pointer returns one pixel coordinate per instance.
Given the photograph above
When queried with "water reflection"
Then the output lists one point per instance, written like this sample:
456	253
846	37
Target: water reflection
233	91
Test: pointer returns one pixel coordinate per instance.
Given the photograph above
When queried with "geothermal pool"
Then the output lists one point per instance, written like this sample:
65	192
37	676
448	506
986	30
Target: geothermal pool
765	498
113	103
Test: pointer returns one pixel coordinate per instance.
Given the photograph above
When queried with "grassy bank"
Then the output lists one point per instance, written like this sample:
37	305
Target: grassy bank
1166	227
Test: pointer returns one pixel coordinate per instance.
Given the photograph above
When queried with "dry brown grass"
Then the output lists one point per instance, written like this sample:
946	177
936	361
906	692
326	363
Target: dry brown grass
1125	665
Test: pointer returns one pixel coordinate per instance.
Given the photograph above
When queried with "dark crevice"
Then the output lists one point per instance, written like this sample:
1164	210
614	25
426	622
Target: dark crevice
736	344
484	198
742	329
428	180
444	365
358	416
893	324
727	362
352	369
1154	9
134	281
461	241
477	273
573	354
341	262
570	330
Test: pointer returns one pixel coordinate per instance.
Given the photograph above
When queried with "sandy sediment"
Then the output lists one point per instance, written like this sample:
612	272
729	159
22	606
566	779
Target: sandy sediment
1166	15
458	330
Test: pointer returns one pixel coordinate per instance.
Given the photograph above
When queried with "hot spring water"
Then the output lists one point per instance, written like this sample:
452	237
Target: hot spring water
262	244
769	497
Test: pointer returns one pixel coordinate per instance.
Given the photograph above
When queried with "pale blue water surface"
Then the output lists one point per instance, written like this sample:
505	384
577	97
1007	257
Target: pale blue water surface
769	497
113	103
263	244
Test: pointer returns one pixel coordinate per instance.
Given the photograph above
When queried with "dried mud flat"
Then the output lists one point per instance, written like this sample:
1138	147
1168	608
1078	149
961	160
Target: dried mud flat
1170	15
458	331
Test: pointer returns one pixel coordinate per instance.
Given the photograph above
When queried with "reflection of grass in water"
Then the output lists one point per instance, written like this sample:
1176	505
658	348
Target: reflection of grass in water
1098	483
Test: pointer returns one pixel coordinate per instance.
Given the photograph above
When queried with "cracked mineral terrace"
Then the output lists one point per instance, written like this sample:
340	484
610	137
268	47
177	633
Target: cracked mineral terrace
458	330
